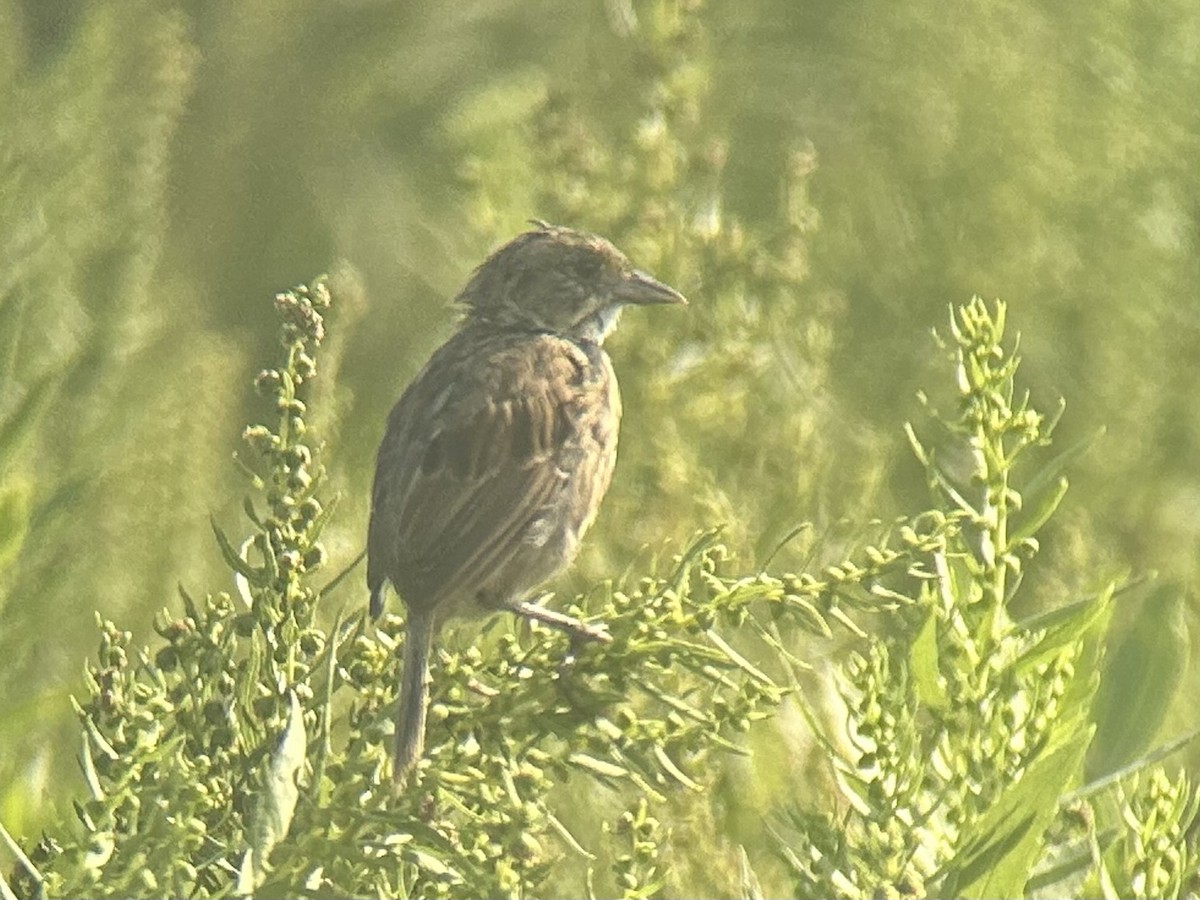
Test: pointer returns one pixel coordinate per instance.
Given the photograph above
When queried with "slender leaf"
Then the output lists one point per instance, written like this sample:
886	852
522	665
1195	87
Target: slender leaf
1000	849
1140	681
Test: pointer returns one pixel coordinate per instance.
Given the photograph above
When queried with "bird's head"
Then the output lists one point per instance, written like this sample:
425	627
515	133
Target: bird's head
562	281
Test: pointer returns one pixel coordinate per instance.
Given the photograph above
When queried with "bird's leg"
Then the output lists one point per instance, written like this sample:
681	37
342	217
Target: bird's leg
576	629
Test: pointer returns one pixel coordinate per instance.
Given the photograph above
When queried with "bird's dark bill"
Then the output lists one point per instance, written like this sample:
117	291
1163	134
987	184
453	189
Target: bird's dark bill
642	289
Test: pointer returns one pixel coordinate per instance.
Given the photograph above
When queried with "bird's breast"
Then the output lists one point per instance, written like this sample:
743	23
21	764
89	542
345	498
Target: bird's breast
587	459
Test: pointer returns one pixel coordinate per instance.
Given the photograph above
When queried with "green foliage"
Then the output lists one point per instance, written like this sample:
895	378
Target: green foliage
248	754
1152	856
703	388
87	128
636	870
1010	700
1043	153
176	744
967	729
1144	671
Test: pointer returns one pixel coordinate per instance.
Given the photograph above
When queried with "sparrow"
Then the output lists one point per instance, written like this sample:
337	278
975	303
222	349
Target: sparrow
497	456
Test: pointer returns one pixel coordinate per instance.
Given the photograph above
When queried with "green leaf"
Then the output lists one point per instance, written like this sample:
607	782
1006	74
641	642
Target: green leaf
1140	680
1071	862
277	802
673	770
1052	470
1142	763
323	517
598	767
1036	515
740	661
1066	626
256	576
251	512
88	765
189	605
24	861
748	881
999	850
923	666
341	576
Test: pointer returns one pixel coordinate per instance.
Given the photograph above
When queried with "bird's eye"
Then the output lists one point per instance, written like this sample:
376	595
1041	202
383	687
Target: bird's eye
591	268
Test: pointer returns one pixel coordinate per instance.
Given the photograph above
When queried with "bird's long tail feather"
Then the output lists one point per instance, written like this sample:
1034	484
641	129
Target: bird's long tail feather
414	695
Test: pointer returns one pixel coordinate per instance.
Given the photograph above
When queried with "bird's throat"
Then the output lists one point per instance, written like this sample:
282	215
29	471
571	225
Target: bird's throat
598	325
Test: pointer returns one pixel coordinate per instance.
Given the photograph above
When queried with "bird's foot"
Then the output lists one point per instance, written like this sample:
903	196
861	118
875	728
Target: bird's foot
573	627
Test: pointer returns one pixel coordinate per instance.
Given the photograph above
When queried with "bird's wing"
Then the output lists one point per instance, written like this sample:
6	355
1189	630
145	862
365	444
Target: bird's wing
475	449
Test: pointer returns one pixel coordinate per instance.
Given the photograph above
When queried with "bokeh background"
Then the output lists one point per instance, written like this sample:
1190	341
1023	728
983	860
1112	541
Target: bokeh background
165	167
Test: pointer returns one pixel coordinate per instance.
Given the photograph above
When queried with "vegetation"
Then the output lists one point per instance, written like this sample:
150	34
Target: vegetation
954	678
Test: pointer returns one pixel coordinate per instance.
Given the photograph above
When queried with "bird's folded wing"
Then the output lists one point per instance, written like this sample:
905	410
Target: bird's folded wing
483	461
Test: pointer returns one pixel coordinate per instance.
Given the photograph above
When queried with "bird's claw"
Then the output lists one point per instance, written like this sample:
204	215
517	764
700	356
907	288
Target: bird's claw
574	628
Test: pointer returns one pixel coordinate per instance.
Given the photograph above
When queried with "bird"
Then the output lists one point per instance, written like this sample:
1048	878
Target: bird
497	455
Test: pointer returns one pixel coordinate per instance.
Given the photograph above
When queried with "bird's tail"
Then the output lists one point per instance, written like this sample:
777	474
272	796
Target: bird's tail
377	600
414	694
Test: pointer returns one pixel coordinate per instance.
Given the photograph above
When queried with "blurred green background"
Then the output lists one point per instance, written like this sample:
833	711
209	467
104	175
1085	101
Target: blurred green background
165	167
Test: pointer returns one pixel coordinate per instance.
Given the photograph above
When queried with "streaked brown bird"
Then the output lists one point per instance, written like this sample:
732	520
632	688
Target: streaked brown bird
498	454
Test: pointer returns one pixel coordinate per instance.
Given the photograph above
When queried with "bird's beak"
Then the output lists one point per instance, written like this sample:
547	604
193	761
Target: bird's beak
640	289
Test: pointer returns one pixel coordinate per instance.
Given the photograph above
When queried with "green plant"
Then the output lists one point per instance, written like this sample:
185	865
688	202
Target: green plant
967	729
84	170
248	754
